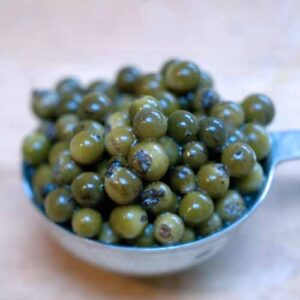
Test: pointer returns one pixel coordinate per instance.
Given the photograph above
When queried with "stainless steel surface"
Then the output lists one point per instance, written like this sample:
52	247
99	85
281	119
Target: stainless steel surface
164	260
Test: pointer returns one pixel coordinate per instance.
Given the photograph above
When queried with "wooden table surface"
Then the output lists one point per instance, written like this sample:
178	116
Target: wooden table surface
249	46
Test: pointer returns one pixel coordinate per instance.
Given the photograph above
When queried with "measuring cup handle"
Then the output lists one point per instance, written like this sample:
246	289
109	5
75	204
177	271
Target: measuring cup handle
286	146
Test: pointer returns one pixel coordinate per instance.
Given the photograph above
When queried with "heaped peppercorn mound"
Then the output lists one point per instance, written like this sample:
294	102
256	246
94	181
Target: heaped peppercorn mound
149	159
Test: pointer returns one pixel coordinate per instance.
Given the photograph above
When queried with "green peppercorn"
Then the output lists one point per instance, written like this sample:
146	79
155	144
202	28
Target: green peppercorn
205	99
122	102
107	235
149	160
185	101
59	205
251	182
239	158
87	222
146	239
229	112
90	126
119	141
35	149
171	148
66	127
182	77
149	83
213	133
129	221
182	126
196	207
195	154
118	119
150	124
68	85
65	169
231	206
258	138
121	184
69	103
98	86
167	64
157	197
259	109
143	103
210	226
234	135
87	147
182	180
87	189
43	182
94	106
168	228
213	178
45	103
57	150
188	236
167	101
127	79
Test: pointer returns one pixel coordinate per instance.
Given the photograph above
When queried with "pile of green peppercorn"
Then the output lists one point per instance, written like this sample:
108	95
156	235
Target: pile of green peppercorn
149	159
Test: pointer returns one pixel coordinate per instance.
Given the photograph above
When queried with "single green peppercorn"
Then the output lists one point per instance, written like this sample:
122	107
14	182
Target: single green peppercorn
118	119
213	178
196	207
229	112
205	99
188	236
66	127
107	235
239	158
210	226
182	180
35	149
182	126
94	106
213	133
258	139
68	85
69	103
167	101
128	221
195	154
259	109
142	103
149	160
43	182
59	205
157	197
150	124
87	189
251	182
146	239
65	169
168	228
231	206
45	103
127	78
87	147
121	184
172	149
87	222
182	77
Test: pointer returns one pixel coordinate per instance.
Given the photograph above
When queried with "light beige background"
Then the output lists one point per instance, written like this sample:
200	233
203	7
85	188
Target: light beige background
248	45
